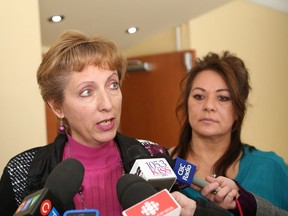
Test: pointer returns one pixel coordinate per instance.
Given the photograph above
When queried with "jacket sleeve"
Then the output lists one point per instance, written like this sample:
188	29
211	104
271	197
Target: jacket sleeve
8	204
264	207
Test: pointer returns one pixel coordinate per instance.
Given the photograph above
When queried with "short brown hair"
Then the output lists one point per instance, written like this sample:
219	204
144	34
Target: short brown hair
73	51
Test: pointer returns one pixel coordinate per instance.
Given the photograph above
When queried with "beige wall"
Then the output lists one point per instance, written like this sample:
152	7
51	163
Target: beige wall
22	123
259	36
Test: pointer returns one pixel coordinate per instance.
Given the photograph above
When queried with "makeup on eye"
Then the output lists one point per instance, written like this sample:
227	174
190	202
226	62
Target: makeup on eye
86	92
114	85
224	98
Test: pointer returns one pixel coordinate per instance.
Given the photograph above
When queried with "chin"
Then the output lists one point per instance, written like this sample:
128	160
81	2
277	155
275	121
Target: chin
107	136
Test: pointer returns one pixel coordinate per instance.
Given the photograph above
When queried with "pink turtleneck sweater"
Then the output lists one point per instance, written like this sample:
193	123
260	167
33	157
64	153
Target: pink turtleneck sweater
103	168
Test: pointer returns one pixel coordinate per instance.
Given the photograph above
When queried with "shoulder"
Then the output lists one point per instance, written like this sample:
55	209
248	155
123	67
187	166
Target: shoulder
153	147
125	142
170	150
17	169
22	159
264	158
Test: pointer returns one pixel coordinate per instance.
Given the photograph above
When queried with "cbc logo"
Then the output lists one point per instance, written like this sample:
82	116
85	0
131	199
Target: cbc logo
45	207
150	208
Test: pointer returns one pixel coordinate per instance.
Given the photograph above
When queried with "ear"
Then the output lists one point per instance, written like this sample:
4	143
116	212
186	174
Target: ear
56	108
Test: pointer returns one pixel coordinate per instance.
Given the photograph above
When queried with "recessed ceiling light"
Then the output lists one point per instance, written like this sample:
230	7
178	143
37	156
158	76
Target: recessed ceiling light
56	19
132	30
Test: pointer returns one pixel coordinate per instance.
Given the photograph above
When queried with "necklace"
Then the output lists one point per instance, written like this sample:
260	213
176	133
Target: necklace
212	171
214	175
81	190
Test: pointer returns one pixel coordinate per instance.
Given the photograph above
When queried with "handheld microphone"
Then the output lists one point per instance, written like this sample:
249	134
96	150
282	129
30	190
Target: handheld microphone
61	186
138	197
185	172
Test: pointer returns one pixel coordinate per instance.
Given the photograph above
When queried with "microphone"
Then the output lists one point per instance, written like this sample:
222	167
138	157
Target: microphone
61	186
185	172
156	171
139	197
85	212
135	152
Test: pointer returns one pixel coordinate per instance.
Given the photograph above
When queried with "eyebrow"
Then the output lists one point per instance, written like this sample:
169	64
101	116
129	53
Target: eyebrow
114	73
218	90
109	77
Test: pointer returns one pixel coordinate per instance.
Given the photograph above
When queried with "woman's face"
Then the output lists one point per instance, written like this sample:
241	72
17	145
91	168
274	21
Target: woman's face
92	105
210	108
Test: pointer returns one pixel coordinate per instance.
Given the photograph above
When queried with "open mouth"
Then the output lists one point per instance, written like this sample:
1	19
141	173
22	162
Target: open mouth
105	123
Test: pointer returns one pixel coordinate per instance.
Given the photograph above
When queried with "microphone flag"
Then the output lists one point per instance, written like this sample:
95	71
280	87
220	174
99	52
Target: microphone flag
184	171
159	204
156	171
48	205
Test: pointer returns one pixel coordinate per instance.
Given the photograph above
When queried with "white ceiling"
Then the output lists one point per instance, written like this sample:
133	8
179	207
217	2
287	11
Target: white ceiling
112	17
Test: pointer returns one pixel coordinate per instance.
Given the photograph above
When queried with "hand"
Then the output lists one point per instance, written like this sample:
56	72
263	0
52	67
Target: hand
225	196
188	206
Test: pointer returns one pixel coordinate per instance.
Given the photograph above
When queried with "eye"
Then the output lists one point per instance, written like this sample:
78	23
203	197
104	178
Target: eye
224	98
86	93
198	96
114	85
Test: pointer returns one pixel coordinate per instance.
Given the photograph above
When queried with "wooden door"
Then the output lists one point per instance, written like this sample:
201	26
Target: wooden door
150	98
51	124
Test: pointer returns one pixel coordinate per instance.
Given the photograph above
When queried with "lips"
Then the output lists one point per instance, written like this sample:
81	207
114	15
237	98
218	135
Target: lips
207	120
106	125
105	122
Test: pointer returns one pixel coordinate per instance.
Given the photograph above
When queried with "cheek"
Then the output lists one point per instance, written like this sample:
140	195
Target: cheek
118	102
119	106
230	115
193	108
73	110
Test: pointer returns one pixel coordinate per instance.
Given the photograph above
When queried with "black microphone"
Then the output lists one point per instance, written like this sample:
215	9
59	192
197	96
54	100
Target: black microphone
132	189
135	152
139	197
59	190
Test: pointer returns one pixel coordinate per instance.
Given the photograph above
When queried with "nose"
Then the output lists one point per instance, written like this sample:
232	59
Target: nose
104	101
209	105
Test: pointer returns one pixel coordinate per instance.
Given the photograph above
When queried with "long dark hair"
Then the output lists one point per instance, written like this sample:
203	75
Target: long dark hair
232	69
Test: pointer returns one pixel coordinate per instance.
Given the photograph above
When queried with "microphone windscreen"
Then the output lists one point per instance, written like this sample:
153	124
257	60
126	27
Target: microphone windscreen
132	189
135	152
65	180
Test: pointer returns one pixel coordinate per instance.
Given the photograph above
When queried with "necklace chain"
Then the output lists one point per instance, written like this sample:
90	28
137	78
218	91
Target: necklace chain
80	192
208	165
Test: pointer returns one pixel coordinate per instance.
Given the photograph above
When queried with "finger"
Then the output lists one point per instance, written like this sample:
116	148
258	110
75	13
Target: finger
222	193
223	181
211	179
188	206
228	201
209	188
195	187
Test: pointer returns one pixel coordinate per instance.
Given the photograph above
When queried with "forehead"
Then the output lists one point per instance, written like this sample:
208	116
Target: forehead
209	79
